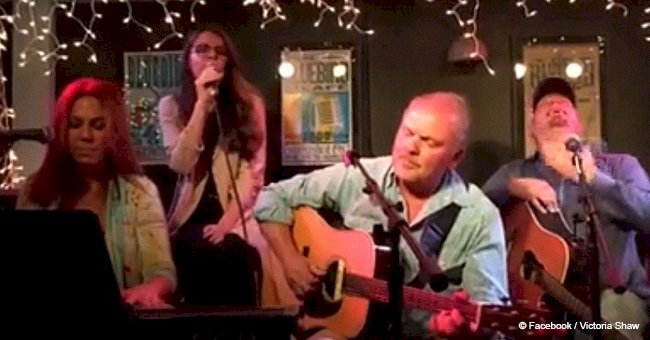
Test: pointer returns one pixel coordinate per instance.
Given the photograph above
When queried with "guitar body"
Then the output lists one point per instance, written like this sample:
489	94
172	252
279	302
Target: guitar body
527	233
323	245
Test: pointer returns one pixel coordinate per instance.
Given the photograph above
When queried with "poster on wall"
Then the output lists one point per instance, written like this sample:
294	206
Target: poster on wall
551	60
316	106
149	76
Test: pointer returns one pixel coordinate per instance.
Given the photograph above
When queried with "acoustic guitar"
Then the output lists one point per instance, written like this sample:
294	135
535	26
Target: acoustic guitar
526	231
538	262
342	302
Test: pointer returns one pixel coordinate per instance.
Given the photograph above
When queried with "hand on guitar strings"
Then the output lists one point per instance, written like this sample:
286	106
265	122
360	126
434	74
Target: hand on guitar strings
536	191
452	324
301	275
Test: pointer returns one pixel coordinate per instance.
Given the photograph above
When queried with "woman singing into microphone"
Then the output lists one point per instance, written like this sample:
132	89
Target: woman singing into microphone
214	133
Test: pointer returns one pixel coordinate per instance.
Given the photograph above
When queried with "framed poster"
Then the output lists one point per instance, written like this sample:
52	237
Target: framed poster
148	76
580	64
316	96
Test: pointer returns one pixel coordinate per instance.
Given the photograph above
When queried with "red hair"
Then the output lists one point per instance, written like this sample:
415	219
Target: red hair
58	178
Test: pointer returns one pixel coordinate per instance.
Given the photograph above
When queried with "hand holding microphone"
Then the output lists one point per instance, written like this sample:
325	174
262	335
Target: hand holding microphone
560	156
207	85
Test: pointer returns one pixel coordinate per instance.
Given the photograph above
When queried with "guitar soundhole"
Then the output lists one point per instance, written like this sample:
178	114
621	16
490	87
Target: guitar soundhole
325	300
529	265
330	281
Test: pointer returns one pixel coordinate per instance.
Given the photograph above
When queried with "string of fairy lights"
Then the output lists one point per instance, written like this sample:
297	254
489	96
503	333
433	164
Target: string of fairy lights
36	24
469	27
10	171
37	27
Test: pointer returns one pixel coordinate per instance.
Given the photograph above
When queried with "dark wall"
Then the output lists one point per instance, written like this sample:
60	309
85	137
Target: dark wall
407	56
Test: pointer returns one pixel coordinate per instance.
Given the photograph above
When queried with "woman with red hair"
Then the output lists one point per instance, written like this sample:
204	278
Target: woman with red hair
91	165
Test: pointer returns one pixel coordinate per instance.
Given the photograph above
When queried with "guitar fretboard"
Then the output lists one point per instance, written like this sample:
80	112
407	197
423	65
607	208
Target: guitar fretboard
570	302
377	290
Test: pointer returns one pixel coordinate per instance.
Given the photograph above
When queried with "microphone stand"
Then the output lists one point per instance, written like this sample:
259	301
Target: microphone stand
593	222
397	227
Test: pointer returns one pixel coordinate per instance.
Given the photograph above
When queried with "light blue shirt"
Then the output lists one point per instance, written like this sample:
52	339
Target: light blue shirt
476	239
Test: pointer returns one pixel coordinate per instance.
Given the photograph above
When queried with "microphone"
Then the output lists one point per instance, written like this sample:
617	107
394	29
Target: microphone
42	135
213	87
573	144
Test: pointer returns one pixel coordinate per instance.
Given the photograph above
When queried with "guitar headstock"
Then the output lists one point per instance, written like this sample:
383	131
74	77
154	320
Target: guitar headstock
512	320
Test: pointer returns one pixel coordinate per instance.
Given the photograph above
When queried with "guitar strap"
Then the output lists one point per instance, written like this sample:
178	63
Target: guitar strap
436	228
438	225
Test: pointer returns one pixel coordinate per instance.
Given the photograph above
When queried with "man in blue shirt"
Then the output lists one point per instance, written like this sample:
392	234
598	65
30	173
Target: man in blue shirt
548	181
420	176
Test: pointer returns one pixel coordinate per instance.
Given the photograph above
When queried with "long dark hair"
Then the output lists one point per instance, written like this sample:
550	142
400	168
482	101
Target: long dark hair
234	102
58	178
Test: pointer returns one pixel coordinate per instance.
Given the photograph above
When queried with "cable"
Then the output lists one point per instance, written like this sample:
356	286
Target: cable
233	183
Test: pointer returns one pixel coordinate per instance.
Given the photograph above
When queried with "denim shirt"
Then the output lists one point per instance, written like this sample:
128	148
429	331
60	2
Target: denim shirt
476	239
621	195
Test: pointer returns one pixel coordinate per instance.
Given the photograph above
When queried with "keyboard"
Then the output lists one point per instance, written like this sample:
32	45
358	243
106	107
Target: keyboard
221	312
213	322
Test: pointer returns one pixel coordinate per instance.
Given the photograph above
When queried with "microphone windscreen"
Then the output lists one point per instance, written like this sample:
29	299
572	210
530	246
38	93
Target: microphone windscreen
573	144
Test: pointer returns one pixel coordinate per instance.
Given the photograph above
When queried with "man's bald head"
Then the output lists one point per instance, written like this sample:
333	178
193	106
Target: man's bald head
449	104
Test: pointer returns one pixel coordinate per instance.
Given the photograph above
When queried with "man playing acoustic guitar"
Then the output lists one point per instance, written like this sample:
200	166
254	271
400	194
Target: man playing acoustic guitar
420	177
548	181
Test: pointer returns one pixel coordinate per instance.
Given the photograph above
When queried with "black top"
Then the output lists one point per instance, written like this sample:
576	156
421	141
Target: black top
209	209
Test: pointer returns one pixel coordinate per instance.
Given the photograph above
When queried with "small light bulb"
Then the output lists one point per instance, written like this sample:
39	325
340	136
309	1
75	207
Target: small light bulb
339	70
573	70
520	70
286	69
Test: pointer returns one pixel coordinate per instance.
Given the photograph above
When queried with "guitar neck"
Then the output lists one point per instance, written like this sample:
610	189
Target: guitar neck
572	303
377	290
563	296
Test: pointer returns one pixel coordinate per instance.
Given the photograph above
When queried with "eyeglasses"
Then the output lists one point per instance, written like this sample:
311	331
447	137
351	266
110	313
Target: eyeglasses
204	50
